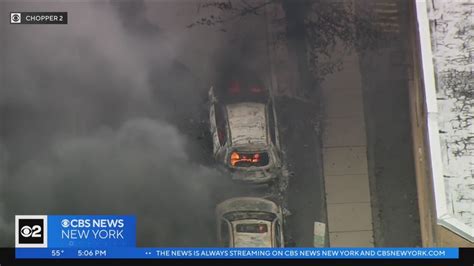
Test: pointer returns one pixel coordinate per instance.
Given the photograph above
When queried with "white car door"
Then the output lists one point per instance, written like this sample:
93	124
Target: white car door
212	121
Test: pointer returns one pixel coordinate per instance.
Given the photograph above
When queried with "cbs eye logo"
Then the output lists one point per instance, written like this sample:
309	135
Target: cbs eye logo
15	18
30	231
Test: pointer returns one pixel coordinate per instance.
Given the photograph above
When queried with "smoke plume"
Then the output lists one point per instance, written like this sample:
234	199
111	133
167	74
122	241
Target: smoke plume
97	116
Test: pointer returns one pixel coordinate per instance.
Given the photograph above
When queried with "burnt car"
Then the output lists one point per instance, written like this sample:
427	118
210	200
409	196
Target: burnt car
244	130
249	222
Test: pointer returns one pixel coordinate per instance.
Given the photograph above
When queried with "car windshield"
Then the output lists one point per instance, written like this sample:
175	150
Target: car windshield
248	159
249	215
257	228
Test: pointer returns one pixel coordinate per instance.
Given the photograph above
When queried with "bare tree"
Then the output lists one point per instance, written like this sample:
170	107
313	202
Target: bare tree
320	25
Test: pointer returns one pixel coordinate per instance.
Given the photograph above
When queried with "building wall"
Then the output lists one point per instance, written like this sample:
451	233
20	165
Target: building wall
451	23
448	22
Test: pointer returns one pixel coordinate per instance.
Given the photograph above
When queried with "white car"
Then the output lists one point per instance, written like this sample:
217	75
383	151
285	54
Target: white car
244	131
249	222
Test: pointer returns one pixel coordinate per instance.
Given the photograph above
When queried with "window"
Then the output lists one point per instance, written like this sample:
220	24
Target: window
252	228
220	124
278	234
248	159
246	215
271	122
225	237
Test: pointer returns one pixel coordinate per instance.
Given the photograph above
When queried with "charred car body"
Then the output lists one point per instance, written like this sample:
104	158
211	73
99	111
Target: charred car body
243	129
249	222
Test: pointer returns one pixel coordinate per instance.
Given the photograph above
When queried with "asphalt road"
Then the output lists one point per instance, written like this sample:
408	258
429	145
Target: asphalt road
245	43
302	192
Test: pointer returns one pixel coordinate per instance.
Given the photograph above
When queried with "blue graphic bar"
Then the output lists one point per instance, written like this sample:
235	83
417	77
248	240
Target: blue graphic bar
91	231
237	253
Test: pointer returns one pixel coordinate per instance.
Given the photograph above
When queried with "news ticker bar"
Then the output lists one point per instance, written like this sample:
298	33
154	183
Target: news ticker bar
237	253
38	17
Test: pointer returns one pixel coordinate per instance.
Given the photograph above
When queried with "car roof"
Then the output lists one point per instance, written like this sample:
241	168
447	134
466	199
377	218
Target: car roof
247	124
247	204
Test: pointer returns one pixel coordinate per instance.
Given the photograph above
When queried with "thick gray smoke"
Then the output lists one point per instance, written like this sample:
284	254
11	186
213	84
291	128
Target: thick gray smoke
4	228
142	169
95	119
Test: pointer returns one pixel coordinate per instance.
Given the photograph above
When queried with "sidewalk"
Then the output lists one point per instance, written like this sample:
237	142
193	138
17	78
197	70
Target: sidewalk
345	160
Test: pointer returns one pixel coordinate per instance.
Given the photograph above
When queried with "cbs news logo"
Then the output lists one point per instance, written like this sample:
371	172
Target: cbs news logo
15	18
31	231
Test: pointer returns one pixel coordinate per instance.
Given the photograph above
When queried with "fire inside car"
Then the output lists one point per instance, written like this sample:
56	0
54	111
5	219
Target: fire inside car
236	88
243	159
241	86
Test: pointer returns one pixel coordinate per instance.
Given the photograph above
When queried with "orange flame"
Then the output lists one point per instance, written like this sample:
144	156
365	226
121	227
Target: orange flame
235	158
